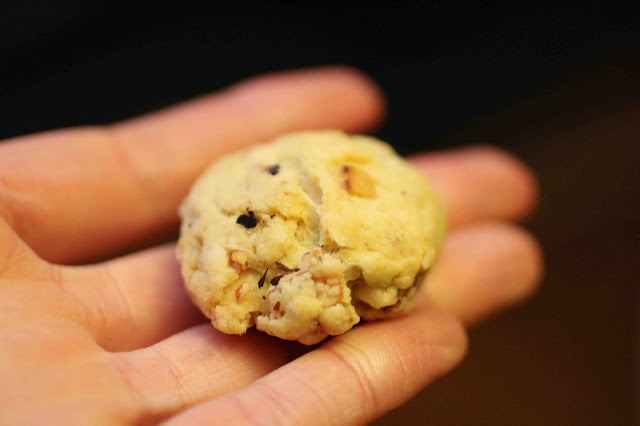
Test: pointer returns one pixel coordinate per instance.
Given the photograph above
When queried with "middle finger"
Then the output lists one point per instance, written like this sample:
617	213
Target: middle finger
139	292
480	183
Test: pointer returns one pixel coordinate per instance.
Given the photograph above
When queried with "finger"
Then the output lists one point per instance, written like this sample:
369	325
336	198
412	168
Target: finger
352	379
76	195
480	183
291	395
509	183
483	269
133	301
17	260
195	365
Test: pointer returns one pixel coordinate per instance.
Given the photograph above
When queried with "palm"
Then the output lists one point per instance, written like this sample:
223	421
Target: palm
119	341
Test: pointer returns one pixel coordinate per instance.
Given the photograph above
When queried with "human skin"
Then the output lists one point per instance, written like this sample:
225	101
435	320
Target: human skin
91	341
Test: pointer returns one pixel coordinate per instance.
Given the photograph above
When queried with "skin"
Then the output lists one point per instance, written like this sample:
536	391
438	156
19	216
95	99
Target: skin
85	341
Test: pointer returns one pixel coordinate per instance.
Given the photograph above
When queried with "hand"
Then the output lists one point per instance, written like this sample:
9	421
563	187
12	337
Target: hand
119	341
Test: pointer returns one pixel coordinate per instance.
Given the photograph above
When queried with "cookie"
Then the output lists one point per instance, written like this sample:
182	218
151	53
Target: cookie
305	235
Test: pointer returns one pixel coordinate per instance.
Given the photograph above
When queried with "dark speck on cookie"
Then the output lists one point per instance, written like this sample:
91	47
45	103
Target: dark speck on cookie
275	280
247	220
273	169
261	281
284	268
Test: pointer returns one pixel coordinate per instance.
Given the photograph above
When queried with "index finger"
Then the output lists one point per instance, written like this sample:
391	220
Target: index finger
76	195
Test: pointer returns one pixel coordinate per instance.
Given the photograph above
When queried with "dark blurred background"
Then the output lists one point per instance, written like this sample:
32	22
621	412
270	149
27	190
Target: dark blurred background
557	84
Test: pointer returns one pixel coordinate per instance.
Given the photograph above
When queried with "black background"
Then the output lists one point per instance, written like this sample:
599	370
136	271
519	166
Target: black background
557	84
441	64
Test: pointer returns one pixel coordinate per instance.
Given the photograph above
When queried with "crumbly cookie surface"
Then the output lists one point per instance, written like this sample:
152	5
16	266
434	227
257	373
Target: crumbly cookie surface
307	234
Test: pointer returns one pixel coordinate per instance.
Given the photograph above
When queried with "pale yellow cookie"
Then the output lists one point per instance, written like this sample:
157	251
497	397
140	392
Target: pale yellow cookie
305	235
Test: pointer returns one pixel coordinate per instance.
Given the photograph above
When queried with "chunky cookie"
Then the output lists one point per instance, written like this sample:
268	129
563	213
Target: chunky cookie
307	234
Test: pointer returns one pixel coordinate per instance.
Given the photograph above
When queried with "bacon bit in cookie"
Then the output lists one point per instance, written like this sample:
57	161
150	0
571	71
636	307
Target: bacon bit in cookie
273	169
247	220
275	280
261	280
238	295
358	182
347	182
276	307
284	268
235	265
